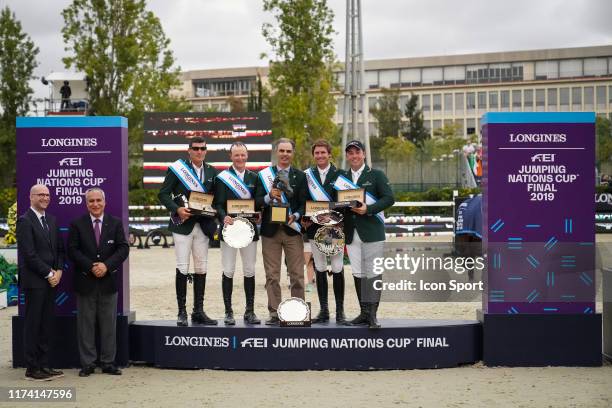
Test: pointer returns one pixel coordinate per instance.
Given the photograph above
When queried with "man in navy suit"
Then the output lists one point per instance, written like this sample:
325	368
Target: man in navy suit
97	246
41	260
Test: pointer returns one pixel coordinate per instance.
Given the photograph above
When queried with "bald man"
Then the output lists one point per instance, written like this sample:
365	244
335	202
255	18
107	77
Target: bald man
40	260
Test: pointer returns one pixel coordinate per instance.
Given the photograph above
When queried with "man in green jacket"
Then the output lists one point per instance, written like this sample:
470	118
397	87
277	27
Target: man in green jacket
237	183
364	227
191	233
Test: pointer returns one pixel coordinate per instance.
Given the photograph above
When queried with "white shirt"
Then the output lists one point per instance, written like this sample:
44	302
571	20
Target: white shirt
199	170
356	174
239	174
93	219
323	172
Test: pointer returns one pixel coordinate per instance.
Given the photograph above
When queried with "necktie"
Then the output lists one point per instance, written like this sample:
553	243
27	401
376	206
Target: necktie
45	225
97	230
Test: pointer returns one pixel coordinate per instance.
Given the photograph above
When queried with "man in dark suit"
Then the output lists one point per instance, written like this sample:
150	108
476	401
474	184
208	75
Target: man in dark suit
282	237
191	233
237	183
365	230
97	246
41	260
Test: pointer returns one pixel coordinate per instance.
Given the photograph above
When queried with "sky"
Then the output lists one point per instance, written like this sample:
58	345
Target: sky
227	33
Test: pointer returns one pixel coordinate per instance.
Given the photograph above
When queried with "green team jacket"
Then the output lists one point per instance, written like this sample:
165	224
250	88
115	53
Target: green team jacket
328	186
223	193
172	186
369	227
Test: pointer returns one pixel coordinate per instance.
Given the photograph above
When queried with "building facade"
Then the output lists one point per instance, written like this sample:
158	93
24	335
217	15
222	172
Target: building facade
453	89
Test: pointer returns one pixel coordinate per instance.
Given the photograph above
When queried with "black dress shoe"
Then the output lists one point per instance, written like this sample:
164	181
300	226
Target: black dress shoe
251	318
87	371
273	321
52	373
111	369
229	319
37	375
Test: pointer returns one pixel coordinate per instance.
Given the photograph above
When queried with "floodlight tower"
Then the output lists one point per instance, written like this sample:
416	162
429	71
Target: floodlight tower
354	81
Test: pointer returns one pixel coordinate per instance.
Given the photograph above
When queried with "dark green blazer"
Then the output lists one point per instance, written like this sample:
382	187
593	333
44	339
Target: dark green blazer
172	186
223	193
368	226
297	180
328	186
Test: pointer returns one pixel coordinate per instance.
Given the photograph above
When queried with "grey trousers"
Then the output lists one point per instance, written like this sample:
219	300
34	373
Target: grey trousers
101	308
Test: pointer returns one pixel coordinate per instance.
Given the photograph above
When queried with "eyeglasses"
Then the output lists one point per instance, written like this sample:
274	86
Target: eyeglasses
43	195
196	148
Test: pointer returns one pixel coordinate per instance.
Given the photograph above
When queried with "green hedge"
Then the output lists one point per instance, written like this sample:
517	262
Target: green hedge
8	196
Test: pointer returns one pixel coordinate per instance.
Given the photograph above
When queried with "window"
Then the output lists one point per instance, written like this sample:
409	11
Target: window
471	126
540	100
471	101
482	100
459	102
432	76
546	70
570	68
528	103
340	106
552	99
437	102
389	78
340	79
496	71
426	103
477	74
437	124
448	103
371	79
372	103
516	100
595	66
505	99
493	100
610	95
564	99
410	77
403	100
588	98
600	94
576	99
454	75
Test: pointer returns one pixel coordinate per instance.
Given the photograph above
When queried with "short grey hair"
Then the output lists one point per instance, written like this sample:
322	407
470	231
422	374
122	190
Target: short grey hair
95	190
284	140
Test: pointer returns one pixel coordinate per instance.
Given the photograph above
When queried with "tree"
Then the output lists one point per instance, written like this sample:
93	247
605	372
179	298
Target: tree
603	131
415	130
301	77
122	48
255	102
388	113
235	104
17	64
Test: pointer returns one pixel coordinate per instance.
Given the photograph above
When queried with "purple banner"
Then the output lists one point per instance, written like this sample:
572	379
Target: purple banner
70	155
538	172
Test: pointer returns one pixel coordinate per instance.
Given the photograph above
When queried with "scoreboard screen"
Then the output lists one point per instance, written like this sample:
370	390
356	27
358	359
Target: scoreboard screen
167	135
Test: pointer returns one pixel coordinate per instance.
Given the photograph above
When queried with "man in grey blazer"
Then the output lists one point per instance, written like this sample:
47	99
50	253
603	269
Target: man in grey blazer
97	246
41	261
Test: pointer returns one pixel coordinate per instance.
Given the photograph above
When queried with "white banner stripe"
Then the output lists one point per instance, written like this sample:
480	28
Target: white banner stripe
264	147
216	164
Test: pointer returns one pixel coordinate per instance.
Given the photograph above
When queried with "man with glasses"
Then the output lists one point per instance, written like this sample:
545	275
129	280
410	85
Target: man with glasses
41	260
286	237
191	233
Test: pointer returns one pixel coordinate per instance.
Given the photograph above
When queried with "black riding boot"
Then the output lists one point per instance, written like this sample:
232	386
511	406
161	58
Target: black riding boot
249	292
339	295
199	287
373	302
227	285
180	282
322	288
362	318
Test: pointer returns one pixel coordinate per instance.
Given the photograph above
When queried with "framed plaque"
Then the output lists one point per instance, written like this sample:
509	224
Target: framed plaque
357	194
315	206
201	203
279	215
242	208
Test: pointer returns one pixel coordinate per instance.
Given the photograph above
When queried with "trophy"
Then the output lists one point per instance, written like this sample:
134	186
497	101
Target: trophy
279	210
199	204
244	208
294	312
353	198
329	238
